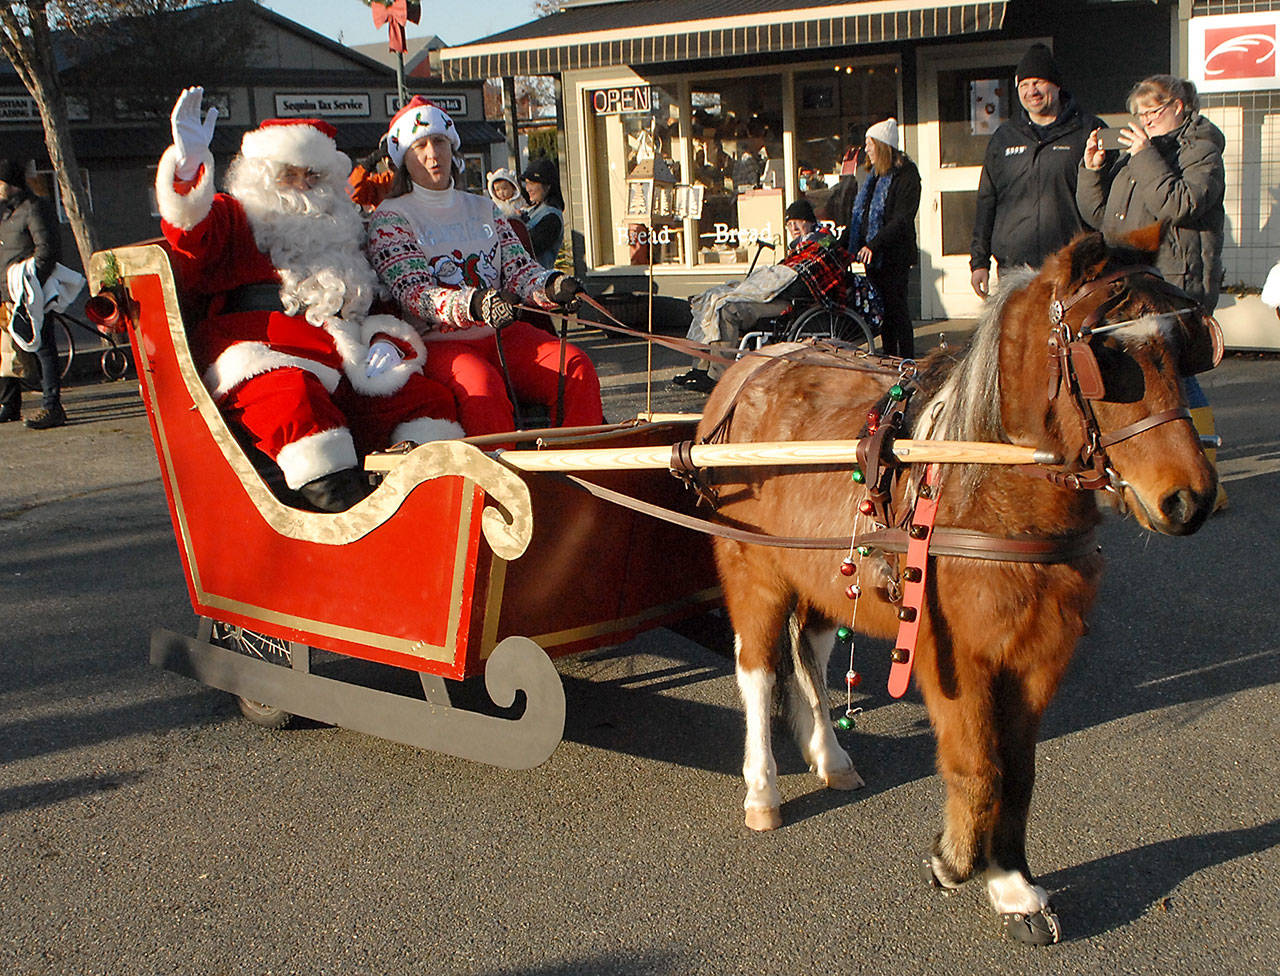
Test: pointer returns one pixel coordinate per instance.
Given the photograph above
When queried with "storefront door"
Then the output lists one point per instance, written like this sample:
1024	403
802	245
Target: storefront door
965	93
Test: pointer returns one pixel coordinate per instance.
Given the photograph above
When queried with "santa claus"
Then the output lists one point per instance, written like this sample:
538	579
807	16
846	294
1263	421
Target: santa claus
288	349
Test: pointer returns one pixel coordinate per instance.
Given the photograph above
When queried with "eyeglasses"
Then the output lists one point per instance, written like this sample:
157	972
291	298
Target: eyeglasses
1151	114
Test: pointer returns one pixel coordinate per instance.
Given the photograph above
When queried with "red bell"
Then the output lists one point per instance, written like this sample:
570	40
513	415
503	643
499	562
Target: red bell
848	567
853	679
866	507
853	591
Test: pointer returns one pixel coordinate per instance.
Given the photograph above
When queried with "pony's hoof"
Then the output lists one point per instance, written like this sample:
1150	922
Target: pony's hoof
843	779
927	875
764	818
1039	929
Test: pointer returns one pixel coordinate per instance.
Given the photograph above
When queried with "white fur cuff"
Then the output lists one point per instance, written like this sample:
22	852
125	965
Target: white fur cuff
183	211
423	430
317	455
245	360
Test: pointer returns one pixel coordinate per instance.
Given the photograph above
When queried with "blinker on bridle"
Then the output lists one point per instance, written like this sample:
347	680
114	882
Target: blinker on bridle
1074	372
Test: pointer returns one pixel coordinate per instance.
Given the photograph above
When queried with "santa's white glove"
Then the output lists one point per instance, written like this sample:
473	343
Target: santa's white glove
382	356
191	137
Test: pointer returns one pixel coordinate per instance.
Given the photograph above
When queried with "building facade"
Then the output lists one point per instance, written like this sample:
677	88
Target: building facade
748	104
290	71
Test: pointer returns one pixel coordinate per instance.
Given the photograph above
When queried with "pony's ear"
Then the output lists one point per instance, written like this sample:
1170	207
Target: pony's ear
1087	256
1146	239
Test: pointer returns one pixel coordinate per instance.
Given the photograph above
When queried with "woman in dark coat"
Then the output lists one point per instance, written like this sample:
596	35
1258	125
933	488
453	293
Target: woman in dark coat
882	231
1170	170
29	229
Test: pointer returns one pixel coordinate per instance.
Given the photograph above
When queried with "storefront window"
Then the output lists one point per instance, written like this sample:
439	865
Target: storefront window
833	110
637	140
972	103
736	133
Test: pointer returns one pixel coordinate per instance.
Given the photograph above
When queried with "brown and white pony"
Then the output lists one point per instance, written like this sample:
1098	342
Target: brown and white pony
995	635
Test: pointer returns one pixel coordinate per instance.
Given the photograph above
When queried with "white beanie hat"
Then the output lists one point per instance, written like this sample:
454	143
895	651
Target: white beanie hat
886	132
503	174
418	119
297	142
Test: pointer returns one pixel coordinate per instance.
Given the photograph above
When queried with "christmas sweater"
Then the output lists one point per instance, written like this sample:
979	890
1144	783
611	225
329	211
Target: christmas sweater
434	249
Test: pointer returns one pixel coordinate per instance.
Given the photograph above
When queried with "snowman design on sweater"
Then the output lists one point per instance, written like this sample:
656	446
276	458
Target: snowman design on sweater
435	248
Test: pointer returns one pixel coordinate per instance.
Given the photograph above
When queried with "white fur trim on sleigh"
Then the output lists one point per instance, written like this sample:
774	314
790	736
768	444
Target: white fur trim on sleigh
317	455
245	360
183	211
391	380
424	430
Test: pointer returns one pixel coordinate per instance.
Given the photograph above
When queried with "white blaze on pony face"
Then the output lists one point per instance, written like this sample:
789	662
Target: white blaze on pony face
758	766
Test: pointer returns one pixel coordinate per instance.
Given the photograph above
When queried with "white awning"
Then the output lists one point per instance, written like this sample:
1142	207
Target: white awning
538	49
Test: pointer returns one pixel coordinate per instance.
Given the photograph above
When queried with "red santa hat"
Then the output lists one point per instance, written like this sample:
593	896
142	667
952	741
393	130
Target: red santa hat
418	119
297	142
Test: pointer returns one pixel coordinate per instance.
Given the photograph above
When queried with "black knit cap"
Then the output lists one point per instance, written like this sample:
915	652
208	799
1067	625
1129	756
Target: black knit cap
801	210
1038	63
11	172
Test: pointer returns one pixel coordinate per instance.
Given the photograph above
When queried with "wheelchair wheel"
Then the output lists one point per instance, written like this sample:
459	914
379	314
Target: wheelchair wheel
820	322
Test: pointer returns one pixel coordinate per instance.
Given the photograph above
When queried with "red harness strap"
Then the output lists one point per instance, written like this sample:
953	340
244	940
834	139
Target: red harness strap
914	576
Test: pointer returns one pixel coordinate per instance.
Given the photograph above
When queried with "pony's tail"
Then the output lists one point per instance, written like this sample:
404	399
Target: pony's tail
806	668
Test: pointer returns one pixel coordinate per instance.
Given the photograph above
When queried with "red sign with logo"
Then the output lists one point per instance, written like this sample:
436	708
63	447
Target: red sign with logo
1235	51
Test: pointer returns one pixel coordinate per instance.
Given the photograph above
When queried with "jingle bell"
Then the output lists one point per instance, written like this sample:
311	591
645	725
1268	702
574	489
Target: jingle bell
864	550
848	567
843	633
896	392
853	591
852	678
866	507
858	476
845	722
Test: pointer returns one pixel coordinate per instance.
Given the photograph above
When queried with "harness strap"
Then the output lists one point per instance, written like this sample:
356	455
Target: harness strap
915	575
965	543
1146	423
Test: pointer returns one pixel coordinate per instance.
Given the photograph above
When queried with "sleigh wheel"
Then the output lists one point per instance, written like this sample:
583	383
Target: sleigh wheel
263	715
273	650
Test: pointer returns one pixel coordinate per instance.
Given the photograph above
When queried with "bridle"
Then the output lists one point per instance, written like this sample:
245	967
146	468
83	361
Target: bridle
1075	378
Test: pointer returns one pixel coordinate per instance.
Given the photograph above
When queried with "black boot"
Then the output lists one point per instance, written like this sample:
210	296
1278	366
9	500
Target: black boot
336	492
47	417
10	399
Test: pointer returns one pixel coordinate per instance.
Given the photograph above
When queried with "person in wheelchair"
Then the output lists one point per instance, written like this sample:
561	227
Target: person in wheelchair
815	268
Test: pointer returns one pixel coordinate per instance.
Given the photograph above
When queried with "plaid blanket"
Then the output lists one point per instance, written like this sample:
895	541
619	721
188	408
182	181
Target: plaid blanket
823	265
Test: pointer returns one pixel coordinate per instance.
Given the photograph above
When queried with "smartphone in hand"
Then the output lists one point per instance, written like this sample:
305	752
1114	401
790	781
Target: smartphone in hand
1110	139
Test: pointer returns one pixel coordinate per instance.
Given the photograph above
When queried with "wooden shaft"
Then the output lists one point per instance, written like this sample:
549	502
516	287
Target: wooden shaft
766	453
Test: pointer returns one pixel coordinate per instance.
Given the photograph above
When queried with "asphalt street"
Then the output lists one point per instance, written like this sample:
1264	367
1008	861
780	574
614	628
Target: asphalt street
145	827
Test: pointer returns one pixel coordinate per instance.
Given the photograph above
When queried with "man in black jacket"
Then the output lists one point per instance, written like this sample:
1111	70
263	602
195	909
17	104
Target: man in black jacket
29	228
1027	192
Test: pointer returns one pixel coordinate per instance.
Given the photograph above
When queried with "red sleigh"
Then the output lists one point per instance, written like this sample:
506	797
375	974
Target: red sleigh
456	566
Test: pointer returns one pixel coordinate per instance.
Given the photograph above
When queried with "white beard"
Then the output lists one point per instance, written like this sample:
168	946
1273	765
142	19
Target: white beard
314	239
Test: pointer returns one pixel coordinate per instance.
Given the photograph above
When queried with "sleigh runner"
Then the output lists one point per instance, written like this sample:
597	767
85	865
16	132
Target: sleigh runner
454	567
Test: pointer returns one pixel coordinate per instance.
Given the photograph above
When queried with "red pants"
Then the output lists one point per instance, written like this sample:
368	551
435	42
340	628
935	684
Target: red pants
289	411
472	371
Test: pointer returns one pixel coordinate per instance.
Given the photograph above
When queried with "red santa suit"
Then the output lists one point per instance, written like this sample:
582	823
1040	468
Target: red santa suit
290	372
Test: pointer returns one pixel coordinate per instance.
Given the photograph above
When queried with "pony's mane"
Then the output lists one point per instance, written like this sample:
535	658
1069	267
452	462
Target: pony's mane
966	407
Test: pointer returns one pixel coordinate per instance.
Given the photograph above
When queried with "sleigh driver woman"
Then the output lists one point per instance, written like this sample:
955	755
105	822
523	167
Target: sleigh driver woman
456	269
